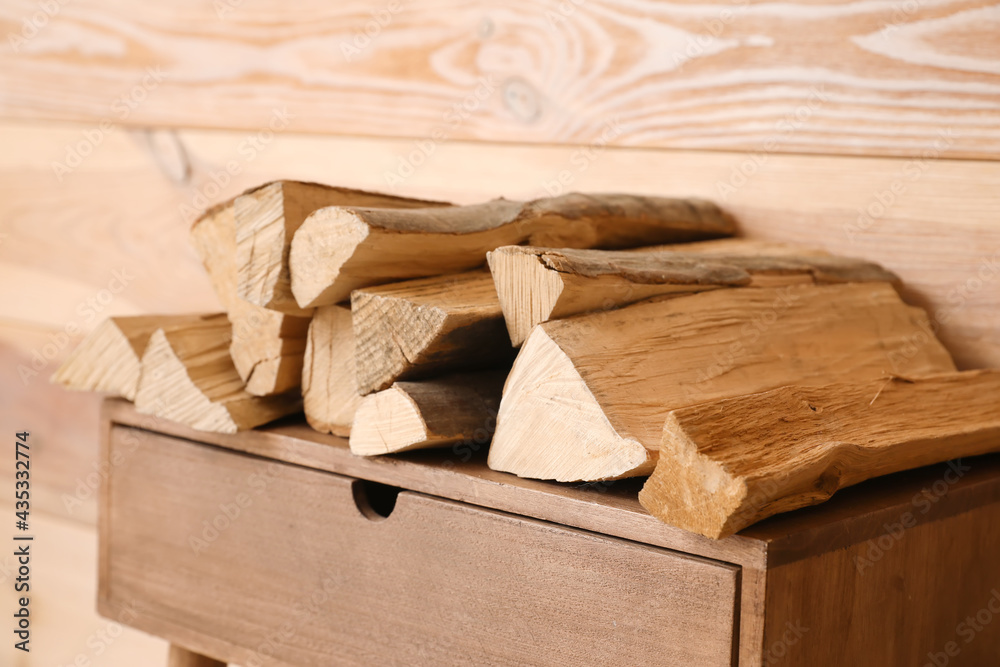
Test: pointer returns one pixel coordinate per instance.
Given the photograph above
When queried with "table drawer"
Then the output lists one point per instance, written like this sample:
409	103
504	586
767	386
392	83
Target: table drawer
269	563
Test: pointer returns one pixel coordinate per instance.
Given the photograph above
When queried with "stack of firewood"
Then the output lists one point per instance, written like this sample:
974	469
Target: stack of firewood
745	378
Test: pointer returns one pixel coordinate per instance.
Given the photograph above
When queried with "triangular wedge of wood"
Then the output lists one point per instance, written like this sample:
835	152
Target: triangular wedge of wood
266	219
429	413
267	346
340	249
727	464
188	377
587	396
536	285
426	327
109	359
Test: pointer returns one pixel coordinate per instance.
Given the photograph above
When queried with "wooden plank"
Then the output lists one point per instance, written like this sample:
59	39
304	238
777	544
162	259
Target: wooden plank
427	327
933	223
587	397
727	464
486	577
886	78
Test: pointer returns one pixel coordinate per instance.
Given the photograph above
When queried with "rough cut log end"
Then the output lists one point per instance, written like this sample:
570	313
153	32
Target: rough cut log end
392	406
550	426
328	239
166	390
105	361
189	377
431	413
262	239
527	290
690	491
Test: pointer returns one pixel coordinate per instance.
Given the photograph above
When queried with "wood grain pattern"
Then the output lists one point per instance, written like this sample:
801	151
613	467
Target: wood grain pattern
886	77
728	464
283	564
856	515
536	285
422	328
430	413
267	346
878	581
340	249
587	396
329	382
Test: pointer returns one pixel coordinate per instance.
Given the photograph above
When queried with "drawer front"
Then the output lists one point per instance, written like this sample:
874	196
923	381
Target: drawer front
259	562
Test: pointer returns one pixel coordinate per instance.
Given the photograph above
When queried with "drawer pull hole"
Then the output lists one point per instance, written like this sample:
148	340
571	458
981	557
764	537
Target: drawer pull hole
375	501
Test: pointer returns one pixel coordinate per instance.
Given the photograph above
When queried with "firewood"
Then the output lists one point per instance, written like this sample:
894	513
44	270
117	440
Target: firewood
536	285
329	389
109	359
340	249
189	377
267	346
426	327
587	396
429	413
266	219
727	464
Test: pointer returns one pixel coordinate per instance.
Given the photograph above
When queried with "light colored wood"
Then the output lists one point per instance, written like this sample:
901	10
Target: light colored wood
266	220
536	285
267	346
340	249
587	397
181	657
281	558
886	77
329	385
189	377
725	465
423	328
109	360
427	414
932	222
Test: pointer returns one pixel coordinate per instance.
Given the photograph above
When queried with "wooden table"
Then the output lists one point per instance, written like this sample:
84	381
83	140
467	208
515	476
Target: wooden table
280	547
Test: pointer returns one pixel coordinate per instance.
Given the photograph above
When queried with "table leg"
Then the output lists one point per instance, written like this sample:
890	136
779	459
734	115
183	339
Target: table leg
181	657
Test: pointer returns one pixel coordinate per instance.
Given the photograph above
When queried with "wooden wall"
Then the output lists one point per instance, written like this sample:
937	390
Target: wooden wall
869	128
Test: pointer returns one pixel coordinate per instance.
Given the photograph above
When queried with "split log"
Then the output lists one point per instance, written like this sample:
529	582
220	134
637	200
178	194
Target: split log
536	285
266	219
188	377
431	413
340	249
267	346
329	388
109	359
727	464
587	396
426	327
